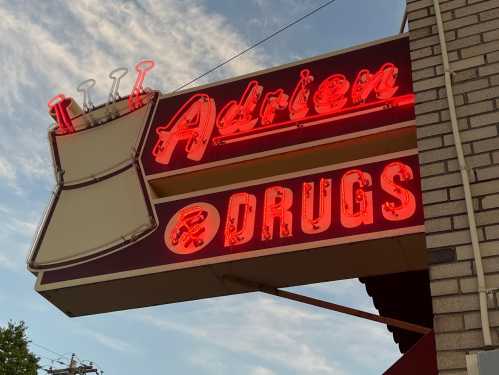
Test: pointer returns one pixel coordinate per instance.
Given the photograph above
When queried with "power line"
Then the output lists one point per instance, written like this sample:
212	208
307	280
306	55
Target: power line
83	361
52	360
74	368
49	350
268	37
72	358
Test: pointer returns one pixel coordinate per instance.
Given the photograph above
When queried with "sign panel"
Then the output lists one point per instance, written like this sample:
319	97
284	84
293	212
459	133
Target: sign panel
292	213
331	98
344	203
117	224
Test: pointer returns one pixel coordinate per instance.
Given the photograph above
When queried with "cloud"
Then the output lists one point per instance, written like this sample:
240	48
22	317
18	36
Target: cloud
16	235
17	223
282	334
208	361
23	227
261	371
109	342
6	262
275	14
53	45
261	327
7	171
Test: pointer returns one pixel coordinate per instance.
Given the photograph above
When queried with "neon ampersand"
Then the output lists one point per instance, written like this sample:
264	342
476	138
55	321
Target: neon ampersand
238	117
277	204
298	104
406	205
382	83
238	232
309	223
193	123
272	102
330	96
356	202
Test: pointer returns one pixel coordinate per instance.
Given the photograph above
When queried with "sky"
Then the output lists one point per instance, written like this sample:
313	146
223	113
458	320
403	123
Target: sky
48	47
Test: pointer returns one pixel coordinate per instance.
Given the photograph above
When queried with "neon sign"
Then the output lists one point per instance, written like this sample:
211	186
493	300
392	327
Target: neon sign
59	105
349	201
195	121
327	98
240	217
135	99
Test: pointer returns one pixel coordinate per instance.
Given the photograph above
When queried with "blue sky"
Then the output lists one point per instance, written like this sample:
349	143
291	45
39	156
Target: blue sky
47	47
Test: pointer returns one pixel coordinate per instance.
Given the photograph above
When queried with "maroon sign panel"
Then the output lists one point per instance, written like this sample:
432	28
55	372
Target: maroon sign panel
320	208
277	215
342	95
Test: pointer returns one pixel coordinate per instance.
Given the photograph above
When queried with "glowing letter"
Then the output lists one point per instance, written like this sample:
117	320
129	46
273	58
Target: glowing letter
59	104
383	83
298	105
323	221
330	96
238	117
194	123
273	101
278	201
236	232
407	202
356	203
142	67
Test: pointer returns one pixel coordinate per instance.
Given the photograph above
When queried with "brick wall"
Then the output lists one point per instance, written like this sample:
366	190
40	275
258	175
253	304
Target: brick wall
472	34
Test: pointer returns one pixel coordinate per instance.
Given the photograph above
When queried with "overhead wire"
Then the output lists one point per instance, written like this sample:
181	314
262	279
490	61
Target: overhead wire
65	355
52	360
49	350
256	44
49	362
91	363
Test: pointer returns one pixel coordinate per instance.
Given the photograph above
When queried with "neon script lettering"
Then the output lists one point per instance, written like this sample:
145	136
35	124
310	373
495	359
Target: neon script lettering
195	121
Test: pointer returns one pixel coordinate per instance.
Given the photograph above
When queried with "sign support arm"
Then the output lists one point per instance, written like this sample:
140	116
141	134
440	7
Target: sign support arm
327	305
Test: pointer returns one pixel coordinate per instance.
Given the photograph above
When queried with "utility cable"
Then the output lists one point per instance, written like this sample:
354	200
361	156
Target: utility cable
92	363
254	45
49	350
65	355
52	360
